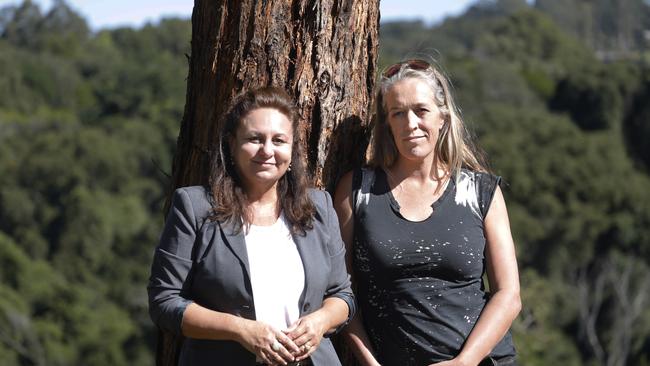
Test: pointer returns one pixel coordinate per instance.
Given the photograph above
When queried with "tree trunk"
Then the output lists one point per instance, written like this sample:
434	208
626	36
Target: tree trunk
322	52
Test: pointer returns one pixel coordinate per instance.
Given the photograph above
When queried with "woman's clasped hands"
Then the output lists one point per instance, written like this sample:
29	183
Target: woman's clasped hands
307	332
275	347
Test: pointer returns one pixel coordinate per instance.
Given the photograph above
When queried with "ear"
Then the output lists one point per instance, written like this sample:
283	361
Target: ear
443	120
232	140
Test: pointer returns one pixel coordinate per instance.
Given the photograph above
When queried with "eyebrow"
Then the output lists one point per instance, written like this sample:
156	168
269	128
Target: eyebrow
258	133
410	105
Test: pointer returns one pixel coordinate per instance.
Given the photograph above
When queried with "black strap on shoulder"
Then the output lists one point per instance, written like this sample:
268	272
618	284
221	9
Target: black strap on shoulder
357	176
362	182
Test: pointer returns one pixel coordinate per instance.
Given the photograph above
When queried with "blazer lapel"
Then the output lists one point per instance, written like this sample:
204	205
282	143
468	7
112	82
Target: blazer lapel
302	243
236	242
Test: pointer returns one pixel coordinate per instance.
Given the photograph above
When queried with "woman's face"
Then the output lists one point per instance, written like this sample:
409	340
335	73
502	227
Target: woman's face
413	118
262	147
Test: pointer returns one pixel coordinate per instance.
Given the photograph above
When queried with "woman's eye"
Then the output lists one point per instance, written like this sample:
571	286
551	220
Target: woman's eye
279	141
254	139
398	114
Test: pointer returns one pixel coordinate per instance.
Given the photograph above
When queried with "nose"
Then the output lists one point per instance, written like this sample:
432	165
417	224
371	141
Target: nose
267	148
413	120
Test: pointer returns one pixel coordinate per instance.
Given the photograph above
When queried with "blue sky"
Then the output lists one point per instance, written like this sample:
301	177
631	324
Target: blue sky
115	13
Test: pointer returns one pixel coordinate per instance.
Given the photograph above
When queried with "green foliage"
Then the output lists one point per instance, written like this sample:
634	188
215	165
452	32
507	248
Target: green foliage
538	330
60	31
636	126
607	26
531	40
568	204
48	318
595	96
88	123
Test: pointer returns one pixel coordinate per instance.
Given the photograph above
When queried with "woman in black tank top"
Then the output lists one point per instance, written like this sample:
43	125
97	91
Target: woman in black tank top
422	225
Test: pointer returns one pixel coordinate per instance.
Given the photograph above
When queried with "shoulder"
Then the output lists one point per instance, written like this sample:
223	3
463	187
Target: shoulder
196	198
482	180
193	191
320	198
323	205
351	182
483	184
344	187
347	179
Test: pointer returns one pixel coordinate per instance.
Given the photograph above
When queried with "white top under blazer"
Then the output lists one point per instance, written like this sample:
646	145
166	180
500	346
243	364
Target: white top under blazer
277	274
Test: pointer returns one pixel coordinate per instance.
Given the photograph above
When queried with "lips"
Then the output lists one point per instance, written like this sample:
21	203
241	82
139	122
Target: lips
411	138
264	163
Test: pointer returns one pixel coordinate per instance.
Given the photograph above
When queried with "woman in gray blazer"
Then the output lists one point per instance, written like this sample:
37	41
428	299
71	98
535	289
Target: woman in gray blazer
251	269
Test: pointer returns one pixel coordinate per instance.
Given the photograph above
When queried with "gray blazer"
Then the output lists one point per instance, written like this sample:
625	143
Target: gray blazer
203	261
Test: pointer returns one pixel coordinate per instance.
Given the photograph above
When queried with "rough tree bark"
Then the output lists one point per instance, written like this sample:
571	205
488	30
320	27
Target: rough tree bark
324	52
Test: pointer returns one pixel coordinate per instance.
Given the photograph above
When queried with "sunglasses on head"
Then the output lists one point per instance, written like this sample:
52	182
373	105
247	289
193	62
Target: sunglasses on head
413	64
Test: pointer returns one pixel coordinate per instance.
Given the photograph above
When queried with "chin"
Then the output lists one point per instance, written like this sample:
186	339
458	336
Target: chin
267	177
415	154
264	176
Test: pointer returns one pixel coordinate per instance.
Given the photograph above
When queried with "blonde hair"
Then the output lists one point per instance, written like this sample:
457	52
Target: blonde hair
454	149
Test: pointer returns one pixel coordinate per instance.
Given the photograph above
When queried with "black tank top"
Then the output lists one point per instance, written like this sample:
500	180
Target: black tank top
419	284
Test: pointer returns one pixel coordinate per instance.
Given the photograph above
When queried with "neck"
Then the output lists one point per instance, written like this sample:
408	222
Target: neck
417	177
421	170
263	208
262	195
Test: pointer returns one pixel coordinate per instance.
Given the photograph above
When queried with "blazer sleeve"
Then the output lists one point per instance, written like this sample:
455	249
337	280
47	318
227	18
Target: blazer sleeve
172	262
339	280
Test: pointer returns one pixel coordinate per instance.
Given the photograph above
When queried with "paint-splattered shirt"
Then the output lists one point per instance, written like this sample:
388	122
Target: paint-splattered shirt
419	284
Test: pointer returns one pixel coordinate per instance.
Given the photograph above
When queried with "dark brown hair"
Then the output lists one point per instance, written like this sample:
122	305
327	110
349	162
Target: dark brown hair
229	197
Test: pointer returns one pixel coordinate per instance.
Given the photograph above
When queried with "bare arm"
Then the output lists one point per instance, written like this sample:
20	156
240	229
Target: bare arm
503	276
354	332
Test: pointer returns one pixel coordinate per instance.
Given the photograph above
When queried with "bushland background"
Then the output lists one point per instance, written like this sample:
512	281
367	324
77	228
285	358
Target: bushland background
557	92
